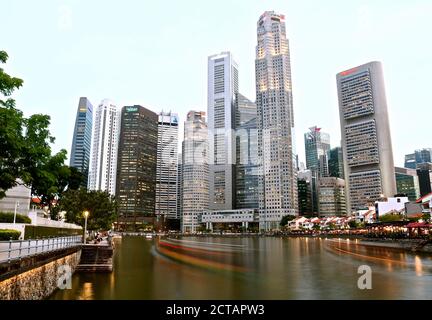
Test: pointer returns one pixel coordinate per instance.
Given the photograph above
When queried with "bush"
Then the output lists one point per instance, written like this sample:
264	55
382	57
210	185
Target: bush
390	218
6	234
34	232
285	219
8	217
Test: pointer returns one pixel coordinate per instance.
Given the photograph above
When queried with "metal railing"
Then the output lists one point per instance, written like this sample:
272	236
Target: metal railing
17	249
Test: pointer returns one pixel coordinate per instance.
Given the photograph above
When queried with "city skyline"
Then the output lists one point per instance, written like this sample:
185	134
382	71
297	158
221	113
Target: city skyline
78	73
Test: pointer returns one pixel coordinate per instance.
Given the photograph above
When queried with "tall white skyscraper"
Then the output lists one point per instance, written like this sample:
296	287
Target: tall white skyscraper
366	140
222	86
103	161
278	174
195	170
166	168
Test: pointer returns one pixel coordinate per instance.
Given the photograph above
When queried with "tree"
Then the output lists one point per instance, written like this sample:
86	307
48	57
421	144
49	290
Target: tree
11	127
76	179
352	224
101	206
332	226
51	179
390	218
25	151
426	217
201	228
286	219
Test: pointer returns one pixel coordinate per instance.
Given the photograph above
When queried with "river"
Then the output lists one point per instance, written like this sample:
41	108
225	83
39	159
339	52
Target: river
253	268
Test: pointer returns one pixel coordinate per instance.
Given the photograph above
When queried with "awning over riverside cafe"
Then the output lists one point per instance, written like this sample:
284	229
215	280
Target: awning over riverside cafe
419	225
419	228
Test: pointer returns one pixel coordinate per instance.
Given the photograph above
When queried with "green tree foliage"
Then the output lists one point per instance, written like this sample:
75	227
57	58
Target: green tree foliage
101	206
76	179
25	151
426	217
8	217
11	128
7	234
286	219
352	224
391	218
54	178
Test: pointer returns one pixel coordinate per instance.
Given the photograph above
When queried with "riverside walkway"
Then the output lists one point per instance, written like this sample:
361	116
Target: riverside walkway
17	249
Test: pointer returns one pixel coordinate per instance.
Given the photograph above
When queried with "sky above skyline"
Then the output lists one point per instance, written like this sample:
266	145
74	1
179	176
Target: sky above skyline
154	53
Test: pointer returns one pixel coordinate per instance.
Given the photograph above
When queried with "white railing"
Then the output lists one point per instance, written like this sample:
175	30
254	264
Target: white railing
40	221
17	249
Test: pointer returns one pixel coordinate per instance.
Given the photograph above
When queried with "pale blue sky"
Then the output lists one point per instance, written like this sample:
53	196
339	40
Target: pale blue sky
154	53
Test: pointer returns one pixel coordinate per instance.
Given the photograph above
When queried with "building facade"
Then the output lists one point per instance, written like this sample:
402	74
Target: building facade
18	197
82	139
105	140
407	183
180	184
136	180
419	156
305	193
332	201
317	147
222	86
275	120
195	170
335	163
231	217
166	170
424	173
246	168
365	131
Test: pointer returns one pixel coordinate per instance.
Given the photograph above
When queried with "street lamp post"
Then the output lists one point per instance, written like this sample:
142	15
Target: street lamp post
16	207
86	214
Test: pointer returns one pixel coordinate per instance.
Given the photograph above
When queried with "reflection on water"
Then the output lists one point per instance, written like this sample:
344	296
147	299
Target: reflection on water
418	266
253	268
86	292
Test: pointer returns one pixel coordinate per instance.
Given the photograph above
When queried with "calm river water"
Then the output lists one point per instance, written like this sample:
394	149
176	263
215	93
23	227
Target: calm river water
253	268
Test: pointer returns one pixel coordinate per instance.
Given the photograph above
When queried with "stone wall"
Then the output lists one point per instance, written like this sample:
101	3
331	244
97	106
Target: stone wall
40	281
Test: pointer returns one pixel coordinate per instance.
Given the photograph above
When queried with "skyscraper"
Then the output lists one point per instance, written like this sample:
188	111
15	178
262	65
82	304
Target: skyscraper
407	183
195	170
246	168
304	187
410	161
166	171
103	161
332	197
222	86
317	147
275	119
424	173
81	143
365	131
335	163
180	184
136	175
419	156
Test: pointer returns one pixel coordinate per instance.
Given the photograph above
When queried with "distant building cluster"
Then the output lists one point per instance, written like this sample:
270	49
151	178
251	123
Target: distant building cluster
237	165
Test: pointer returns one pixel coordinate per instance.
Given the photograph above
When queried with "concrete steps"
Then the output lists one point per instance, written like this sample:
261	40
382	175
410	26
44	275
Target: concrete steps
96	258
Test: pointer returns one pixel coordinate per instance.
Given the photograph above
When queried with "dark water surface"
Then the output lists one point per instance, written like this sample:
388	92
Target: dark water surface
254	268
